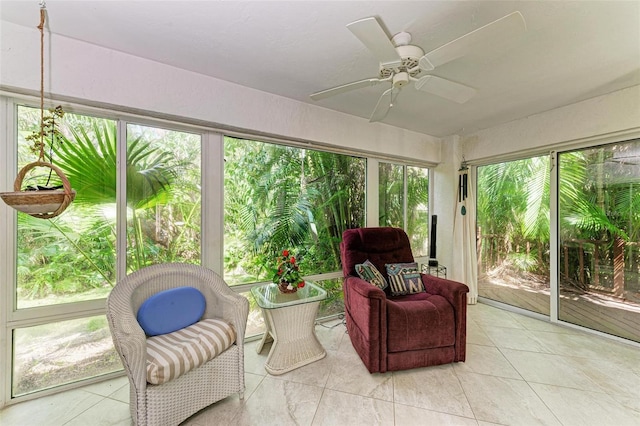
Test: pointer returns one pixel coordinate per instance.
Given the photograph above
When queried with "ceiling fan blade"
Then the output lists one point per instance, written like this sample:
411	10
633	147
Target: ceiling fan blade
447	89
385	103
371	34
346	88
504	28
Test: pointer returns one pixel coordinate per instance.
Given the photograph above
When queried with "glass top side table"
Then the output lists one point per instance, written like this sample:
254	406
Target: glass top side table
290	322
269	297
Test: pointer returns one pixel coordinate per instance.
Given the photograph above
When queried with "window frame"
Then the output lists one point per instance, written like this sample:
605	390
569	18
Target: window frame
212	180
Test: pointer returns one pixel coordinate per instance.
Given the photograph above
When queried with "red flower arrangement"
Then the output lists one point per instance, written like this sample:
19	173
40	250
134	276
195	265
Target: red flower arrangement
287	271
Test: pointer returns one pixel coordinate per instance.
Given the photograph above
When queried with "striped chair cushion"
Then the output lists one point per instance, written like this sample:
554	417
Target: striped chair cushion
172	355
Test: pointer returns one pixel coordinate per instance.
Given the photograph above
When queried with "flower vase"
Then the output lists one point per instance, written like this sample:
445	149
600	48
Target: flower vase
283	287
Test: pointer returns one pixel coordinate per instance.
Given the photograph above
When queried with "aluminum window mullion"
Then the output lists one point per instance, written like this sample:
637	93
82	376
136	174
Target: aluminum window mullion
212	176
121	200
405	194
8	151
554	237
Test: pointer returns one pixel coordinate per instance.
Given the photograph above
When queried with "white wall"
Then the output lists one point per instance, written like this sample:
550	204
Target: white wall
98	75
444	199
604	116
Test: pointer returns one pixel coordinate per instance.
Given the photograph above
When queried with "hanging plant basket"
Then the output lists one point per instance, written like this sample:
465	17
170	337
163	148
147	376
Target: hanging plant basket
41	203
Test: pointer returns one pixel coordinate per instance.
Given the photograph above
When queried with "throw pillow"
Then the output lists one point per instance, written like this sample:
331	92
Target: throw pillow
171	310
368	272
404	278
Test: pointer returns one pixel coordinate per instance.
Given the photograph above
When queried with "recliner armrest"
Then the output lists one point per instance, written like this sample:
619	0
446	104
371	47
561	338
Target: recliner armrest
453	291
366	310
364	289
456	294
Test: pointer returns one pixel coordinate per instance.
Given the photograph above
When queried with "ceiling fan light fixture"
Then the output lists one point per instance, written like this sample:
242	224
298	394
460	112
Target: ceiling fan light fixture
400	79
401	39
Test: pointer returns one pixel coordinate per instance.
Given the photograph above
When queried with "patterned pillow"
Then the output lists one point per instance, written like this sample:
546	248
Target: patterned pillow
404	278
368	272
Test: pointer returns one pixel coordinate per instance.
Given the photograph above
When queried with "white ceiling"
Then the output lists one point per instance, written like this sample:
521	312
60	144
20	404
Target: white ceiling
571	51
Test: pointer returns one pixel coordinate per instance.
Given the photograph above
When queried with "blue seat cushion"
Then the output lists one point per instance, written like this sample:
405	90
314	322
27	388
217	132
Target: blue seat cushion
171	310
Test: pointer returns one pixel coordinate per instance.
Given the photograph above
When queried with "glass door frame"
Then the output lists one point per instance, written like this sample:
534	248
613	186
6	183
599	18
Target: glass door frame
554	237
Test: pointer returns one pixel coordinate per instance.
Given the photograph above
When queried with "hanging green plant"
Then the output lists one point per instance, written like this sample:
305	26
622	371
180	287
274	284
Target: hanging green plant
42	201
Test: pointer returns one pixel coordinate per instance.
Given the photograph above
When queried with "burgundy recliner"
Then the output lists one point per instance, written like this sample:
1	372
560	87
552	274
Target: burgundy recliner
399	332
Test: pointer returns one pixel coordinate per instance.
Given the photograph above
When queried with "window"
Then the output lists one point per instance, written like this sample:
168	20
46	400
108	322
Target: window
275	197
403	193
163	196
67	264
513	230
279	197
70	258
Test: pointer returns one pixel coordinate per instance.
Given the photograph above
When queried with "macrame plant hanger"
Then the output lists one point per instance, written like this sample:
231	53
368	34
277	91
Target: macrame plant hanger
38	202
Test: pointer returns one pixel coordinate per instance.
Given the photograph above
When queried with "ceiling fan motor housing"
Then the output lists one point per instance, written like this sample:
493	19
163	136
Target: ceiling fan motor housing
400	79
410	56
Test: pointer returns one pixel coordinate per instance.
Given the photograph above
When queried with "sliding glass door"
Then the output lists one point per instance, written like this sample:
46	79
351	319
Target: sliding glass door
513	233
599	227
598	217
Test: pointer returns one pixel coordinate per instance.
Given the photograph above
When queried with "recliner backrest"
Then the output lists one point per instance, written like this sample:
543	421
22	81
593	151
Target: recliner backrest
380	245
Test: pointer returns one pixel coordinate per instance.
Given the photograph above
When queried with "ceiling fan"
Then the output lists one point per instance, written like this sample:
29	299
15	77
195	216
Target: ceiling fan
402	63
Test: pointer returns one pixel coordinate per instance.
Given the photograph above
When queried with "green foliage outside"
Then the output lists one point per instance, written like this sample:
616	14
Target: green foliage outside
599	203
72	257
276	197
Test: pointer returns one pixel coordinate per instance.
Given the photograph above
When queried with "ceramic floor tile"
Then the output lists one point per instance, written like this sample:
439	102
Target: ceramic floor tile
279	402
505	401
338	408
579	407
105	413
486	360
512	338
549	369
535	324
223	412
434	388
578	379
347	346
108	387
315	373
253	361
330	334
576	345
50	410
476	335
611	378
218	413
121	394
413	416
349	374
488	315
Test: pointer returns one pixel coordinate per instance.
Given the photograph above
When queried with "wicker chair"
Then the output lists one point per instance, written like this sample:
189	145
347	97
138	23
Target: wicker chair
172	402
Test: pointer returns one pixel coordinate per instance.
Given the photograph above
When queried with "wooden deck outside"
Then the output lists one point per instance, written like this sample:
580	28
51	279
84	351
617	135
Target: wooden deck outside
592	310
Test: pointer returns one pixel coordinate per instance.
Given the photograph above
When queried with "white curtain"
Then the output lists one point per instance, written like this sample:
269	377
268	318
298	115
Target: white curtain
465	269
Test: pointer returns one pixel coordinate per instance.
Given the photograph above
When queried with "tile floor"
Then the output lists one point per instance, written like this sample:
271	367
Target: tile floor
519	371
